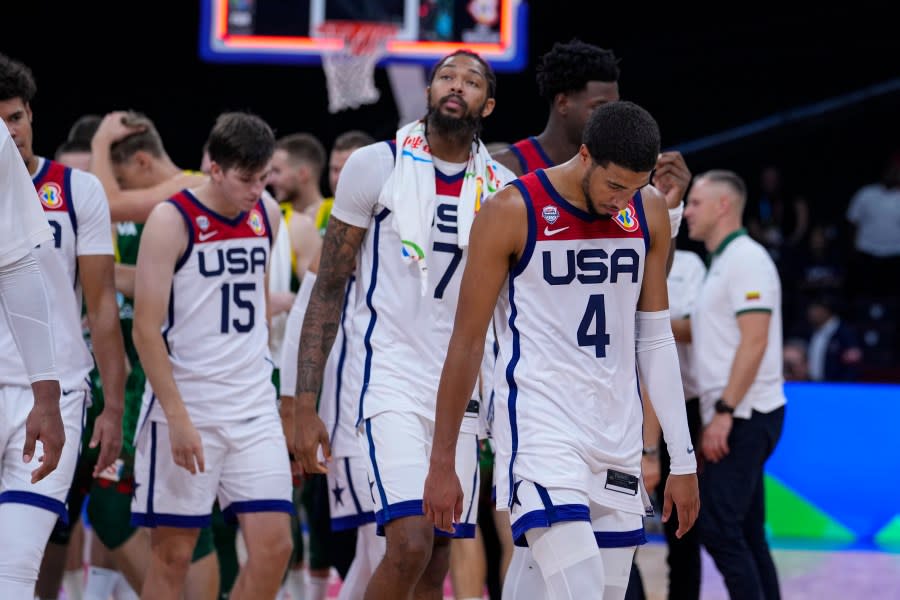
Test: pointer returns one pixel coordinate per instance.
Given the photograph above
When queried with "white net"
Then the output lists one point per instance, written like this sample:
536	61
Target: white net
350	72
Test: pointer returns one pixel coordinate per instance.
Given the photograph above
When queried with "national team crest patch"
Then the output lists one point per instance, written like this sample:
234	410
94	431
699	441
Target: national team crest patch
550	214
203	222
627	220
51	195
255	221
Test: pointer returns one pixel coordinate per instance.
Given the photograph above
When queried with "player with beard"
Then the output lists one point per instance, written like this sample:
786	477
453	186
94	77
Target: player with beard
402	213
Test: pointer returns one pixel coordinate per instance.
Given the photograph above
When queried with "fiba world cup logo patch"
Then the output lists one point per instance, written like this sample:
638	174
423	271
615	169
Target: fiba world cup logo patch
255	221
51	195
626	219
550	214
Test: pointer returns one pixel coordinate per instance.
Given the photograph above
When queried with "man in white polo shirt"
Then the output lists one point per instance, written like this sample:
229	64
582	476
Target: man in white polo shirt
736	332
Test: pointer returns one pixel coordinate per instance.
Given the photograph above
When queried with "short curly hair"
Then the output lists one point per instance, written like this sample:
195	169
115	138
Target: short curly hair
16	80
568	67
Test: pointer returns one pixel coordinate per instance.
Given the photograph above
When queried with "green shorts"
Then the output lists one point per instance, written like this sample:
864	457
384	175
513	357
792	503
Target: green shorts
109	511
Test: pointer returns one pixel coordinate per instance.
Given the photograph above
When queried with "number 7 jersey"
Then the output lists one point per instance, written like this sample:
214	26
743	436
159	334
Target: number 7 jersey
216	332
567	405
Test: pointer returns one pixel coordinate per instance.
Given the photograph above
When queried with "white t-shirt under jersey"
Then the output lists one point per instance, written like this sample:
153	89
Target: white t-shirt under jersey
742	278
403	335
684	283
22	222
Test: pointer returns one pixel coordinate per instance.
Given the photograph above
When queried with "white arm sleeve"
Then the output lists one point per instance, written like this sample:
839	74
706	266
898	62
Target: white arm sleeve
657	361
290	347
22	222
27	312
675	215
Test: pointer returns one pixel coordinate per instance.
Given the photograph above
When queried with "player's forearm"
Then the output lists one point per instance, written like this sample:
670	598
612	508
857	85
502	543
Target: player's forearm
155	360
124	276
320	325
651	423
454	392
681	329
744	368
109	349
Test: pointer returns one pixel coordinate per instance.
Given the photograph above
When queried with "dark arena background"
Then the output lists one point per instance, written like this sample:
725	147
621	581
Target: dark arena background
813	91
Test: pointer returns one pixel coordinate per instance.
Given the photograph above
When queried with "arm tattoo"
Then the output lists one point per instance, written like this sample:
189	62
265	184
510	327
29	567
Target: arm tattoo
339	250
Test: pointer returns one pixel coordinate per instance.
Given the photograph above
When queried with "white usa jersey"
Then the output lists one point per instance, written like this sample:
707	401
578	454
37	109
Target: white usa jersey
565	381
216	332
402	334
77	211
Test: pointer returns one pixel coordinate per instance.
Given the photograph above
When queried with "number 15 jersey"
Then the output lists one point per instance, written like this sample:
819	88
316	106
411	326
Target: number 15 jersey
216	332
567	406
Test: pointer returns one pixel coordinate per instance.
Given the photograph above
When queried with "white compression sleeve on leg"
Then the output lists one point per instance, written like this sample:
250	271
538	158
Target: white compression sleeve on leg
675	215
26	530
657	360
523	580
290	346
27	309
569	559
617	566
100	583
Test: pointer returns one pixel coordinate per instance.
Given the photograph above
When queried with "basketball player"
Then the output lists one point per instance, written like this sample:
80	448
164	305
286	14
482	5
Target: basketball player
409	249
138	161
78	266
336	505
589	233
209	424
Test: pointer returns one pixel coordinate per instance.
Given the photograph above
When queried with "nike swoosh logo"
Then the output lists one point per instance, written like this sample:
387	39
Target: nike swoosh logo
548	232
206	235
690	450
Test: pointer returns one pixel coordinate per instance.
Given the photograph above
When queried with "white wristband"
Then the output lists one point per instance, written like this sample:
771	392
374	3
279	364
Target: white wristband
675	215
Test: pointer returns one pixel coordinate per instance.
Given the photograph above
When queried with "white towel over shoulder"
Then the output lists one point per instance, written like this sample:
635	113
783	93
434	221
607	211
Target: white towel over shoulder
409	193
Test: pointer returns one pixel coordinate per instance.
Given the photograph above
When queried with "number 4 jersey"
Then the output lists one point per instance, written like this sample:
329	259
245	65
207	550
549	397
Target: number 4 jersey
567	406
216	332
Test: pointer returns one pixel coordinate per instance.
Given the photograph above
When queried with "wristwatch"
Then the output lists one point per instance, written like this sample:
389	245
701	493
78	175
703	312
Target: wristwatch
723	407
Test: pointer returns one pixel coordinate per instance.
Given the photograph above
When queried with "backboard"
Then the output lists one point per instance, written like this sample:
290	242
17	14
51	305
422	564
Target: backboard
286	31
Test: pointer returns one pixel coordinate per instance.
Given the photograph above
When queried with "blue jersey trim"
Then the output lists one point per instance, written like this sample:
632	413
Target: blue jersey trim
339	376
519	267
168	520
381	493
190	233
465	531
545	517
513	388
562	202
234	222
53	505
265	215
540	150
449	178
523	164
70	207
350	485
234	509
474	496
352	521
620	539
642	219
367	339
398	510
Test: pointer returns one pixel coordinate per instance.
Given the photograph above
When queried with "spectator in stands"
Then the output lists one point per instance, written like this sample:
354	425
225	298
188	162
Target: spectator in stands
834	350
874	213
796	367
776	219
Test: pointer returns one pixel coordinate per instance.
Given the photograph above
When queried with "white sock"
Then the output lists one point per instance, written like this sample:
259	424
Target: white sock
295	584
100	583
318	588
523	578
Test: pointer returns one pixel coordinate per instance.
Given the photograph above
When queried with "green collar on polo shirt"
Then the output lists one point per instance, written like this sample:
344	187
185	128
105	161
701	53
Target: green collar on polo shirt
728	239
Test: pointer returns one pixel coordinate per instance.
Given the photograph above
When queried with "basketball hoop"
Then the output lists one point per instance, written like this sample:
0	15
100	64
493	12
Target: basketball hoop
350	71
